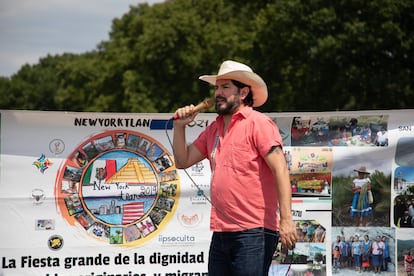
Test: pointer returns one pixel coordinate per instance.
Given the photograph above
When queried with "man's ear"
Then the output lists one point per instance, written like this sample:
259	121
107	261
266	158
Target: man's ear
244	92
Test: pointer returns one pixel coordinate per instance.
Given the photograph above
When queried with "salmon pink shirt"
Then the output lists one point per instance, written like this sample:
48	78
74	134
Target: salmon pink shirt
243	189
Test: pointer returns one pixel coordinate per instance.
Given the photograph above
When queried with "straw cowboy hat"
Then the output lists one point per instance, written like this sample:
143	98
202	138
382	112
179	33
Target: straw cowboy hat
233	70
362	169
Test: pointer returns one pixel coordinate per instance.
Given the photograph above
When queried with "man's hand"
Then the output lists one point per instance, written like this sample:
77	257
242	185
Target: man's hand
185	115
288	235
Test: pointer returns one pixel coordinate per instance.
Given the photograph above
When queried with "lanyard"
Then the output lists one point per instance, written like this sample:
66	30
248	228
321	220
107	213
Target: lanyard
213	155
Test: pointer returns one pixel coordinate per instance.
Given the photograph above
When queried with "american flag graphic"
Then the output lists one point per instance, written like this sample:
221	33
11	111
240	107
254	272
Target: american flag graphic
132	212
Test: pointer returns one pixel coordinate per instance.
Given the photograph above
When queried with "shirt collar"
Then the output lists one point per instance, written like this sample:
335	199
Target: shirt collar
244	111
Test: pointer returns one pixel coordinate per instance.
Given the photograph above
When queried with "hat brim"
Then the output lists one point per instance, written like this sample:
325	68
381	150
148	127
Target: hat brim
362	171
257	84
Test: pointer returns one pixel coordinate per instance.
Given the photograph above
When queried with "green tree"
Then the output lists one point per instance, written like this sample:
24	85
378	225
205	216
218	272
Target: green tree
5	93
168	46
83	85
33	87
342	55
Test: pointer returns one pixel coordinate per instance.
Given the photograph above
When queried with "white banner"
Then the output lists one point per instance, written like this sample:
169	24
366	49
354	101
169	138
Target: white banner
99	194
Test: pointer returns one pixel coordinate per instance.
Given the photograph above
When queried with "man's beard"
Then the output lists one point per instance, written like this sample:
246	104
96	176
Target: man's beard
229	107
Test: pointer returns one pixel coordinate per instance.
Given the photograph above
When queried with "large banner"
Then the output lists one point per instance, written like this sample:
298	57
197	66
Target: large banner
99	194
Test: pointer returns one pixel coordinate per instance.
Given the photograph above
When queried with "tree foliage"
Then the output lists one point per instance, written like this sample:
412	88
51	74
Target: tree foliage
315	55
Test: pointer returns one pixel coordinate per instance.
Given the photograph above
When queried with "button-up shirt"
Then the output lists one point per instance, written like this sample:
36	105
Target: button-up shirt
243	188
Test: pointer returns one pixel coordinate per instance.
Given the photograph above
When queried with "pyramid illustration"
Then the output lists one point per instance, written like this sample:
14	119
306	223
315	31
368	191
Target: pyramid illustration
133	172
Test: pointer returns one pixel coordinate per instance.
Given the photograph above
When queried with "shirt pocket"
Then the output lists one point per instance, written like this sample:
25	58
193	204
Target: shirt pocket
241	157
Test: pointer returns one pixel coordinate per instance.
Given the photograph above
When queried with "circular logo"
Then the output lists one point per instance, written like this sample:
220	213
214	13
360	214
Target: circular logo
38	195
120	186
55	242
56	146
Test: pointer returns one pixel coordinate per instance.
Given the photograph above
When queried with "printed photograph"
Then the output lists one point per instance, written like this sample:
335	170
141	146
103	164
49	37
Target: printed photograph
132	142
104	143
340	131
310	171
361	188
403	152
305	259
90	150
405	252
404	211
404	180
367	250
45	224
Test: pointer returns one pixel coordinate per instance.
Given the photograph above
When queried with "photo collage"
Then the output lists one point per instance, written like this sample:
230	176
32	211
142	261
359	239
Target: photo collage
362	178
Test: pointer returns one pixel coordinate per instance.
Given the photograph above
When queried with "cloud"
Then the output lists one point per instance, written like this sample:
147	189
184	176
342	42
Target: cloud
30	30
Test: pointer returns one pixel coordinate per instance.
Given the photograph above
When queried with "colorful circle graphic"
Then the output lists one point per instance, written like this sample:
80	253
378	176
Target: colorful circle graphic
120	186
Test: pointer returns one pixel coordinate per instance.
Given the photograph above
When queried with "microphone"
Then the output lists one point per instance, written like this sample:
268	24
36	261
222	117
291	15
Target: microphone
206	104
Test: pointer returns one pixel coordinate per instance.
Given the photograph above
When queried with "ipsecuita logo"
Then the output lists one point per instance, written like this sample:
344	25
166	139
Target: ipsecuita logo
176	239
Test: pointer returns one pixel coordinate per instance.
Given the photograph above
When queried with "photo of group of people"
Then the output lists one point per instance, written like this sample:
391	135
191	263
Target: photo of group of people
363	250
339	131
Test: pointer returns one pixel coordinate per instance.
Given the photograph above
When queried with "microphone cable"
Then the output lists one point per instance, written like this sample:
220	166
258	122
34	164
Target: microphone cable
200	191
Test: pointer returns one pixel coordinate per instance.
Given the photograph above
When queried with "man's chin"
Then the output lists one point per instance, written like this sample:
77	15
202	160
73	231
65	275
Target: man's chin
221	107
224	108
223	111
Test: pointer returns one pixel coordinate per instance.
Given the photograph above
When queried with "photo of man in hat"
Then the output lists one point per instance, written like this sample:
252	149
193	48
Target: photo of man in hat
250	187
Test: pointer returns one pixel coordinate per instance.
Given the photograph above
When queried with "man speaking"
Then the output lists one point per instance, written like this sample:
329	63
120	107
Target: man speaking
250	187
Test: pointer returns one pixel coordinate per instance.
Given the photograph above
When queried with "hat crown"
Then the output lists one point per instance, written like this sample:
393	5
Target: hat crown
232	66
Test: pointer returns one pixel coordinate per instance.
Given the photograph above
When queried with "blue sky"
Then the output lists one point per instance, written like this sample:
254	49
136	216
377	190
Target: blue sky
407	172
32	29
